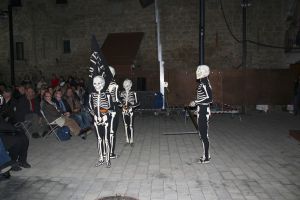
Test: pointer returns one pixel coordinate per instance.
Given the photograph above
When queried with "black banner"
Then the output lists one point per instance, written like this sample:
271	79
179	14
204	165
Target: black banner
98	66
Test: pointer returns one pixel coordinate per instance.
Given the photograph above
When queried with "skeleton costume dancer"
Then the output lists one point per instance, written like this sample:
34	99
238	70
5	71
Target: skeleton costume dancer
129	101
99	105
204	98
113	91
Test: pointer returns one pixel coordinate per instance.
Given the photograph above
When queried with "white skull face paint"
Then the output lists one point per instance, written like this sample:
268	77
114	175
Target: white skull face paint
98	83
127	84
112	70
202	71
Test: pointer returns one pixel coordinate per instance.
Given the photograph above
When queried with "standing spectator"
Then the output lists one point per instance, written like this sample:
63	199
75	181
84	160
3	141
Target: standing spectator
297	96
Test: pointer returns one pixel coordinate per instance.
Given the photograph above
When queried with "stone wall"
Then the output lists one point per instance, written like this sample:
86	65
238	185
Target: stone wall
43	25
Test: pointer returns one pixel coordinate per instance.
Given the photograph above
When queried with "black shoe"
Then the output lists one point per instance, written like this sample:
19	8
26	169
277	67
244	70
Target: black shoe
16	168
35	135
24	164
84	130
44	133
83	136
6	175
113	156
204	161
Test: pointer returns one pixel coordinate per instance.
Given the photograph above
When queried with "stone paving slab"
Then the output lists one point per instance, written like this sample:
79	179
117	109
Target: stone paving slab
251	159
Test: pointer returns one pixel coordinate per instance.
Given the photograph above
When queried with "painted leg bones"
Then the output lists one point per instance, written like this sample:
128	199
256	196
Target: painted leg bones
204	98
99	103
129	102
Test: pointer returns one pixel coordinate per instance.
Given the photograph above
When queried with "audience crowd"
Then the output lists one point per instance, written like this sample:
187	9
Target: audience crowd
60	101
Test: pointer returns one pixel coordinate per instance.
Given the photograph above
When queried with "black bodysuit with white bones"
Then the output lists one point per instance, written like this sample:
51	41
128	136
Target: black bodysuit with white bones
100	108
129	102
204	98
113	91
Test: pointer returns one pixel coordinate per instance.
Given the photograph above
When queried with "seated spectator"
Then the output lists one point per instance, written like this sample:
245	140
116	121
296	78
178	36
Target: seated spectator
51	90
61	104
75	107
54	80
80	91
19	92
71	81
27	80
53	115
28	108
16	143
65	108
40	93
5	162
2	87
7	110
62	80
42	82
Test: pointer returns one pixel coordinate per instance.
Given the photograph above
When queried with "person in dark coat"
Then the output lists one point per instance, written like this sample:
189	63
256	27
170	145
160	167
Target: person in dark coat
15	142
28	108
7	110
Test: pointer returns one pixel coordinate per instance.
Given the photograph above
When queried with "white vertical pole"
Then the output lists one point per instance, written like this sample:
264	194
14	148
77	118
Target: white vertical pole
159	52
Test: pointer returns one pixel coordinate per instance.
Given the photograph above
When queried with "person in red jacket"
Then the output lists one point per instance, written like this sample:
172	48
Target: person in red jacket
54	80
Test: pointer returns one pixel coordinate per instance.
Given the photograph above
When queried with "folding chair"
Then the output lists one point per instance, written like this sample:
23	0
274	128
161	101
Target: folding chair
25	125
52	126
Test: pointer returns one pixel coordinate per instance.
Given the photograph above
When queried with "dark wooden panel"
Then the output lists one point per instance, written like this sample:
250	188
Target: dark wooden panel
121	48
233	87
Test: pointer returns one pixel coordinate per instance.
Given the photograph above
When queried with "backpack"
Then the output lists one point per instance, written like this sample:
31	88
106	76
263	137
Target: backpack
63	133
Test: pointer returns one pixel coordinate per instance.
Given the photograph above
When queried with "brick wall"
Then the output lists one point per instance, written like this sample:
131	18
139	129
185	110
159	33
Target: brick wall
43	25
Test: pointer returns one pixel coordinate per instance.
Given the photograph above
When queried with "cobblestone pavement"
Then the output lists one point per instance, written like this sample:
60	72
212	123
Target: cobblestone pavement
251	159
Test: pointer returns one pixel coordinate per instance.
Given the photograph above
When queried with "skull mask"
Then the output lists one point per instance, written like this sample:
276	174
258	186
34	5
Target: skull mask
202	71
98	83
127	85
